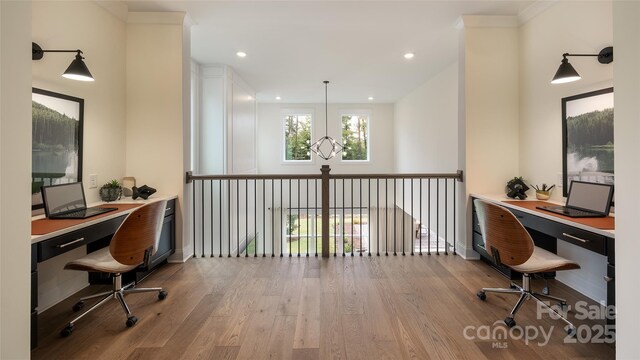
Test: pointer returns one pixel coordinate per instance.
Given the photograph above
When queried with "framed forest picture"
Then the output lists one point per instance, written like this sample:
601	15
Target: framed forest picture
56	150
587	138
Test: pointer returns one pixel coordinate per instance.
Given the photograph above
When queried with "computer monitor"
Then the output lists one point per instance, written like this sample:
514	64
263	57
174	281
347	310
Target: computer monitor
590	196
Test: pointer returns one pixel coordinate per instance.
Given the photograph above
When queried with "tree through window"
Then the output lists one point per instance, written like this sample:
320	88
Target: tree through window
297	137
355	137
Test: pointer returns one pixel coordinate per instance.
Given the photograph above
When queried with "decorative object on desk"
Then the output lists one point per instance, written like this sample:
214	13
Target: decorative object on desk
111	191
56	137
143	192
516	188
128	183
587	138
543	192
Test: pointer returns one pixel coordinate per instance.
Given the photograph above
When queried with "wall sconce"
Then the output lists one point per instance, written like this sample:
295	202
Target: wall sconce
76	71
566	73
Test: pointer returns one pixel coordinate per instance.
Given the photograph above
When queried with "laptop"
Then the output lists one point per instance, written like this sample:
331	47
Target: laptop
67	201
585	199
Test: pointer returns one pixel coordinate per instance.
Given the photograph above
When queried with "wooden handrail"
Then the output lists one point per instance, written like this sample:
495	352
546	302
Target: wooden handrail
458	176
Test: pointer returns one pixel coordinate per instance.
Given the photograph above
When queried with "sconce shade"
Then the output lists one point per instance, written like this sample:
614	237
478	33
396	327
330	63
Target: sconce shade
78	70
566	73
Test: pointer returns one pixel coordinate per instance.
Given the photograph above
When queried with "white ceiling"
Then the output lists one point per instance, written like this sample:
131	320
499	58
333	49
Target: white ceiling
358	46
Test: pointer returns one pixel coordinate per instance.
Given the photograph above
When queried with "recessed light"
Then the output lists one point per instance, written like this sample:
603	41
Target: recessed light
370	98
409	55
278	98
241	54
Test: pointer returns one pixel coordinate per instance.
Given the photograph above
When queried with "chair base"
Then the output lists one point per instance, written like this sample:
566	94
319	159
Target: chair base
117	292
525	293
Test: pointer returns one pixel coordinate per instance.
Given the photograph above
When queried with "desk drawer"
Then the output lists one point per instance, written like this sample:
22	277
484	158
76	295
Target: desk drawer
63	243
585	239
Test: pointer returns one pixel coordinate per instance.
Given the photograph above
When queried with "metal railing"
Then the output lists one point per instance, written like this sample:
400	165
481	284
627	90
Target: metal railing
311	214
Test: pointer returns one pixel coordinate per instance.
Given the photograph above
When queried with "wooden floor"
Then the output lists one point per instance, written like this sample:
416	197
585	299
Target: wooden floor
411	307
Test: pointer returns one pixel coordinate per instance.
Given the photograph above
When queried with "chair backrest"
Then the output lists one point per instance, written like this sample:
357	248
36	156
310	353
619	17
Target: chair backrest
138	235
504	236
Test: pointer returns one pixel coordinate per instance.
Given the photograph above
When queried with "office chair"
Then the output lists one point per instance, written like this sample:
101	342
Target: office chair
510	245
131	247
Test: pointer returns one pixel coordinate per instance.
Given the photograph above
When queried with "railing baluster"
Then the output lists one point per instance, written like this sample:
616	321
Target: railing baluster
429	217
437	216
193	192
412	222
454	216
404	211
229	220
351	216
299	218
211	207
420	216
395	212
386	218
264	219
273	214
335	217
369	215
378	216
446	213
220	197
307	215
238	218
281	218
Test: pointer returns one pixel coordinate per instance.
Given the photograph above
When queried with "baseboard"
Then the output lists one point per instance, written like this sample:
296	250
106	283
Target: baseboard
468	254
179	257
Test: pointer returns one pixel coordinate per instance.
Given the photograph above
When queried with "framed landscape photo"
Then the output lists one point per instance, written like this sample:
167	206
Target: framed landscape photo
587	138
56	150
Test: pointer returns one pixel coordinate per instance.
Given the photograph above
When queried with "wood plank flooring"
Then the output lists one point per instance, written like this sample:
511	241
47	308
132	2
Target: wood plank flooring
404	307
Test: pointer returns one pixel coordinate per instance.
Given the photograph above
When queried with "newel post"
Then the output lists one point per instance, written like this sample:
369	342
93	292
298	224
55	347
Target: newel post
325	210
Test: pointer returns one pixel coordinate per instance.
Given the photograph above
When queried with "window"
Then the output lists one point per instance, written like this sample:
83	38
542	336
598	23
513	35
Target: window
355	136
297	137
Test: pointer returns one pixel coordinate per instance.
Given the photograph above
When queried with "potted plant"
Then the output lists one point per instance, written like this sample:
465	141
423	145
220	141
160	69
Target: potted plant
111	191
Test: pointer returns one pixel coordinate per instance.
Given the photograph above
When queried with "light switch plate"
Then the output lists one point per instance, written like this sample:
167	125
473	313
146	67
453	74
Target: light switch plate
93	181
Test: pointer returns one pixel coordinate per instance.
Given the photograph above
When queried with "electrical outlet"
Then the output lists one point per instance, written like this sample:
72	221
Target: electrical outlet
93	181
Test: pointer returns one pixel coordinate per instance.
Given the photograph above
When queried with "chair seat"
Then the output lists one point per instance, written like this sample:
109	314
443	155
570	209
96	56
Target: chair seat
99	261
542	260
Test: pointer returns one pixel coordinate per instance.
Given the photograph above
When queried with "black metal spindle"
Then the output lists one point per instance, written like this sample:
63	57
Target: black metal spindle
282	218
420	215
315	205
229	219
378	216
360	203
273	215
446	215
220	203
211	207
404	211
307	214
193	192
290	218
238	218
437	216
386	217
335	218
255	217
264	218
412	237
395	212
202	217
299	218
343	218
246	218
429	217
369	215
352	216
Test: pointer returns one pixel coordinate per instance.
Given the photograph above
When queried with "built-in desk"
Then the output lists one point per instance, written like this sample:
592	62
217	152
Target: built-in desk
546	228
51	238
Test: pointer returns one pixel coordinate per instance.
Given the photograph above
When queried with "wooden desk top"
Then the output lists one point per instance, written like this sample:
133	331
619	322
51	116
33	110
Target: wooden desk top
43	229
602	226
604	223
45	226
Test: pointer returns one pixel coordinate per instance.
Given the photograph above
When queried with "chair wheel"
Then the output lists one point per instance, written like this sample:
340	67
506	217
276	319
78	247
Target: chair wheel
481	295
67	331
162	295
510	322
132	320
570	330
78	306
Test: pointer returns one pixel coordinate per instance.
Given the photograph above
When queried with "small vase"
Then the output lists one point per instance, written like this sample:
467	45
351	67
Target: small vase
542	195
110	194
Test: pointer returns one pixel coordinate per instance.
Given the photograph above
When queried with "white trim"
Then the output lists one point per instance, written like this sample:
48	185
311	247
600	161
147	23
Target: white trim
368	113
487	21
297	112
535	9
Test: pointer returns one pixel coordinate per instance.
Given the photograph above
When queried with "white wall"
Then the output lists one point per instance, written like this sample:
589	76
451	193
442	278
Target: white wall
426	125
626	79
488	123
154	112
15	171
541	47
271	137
103	47
543	40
